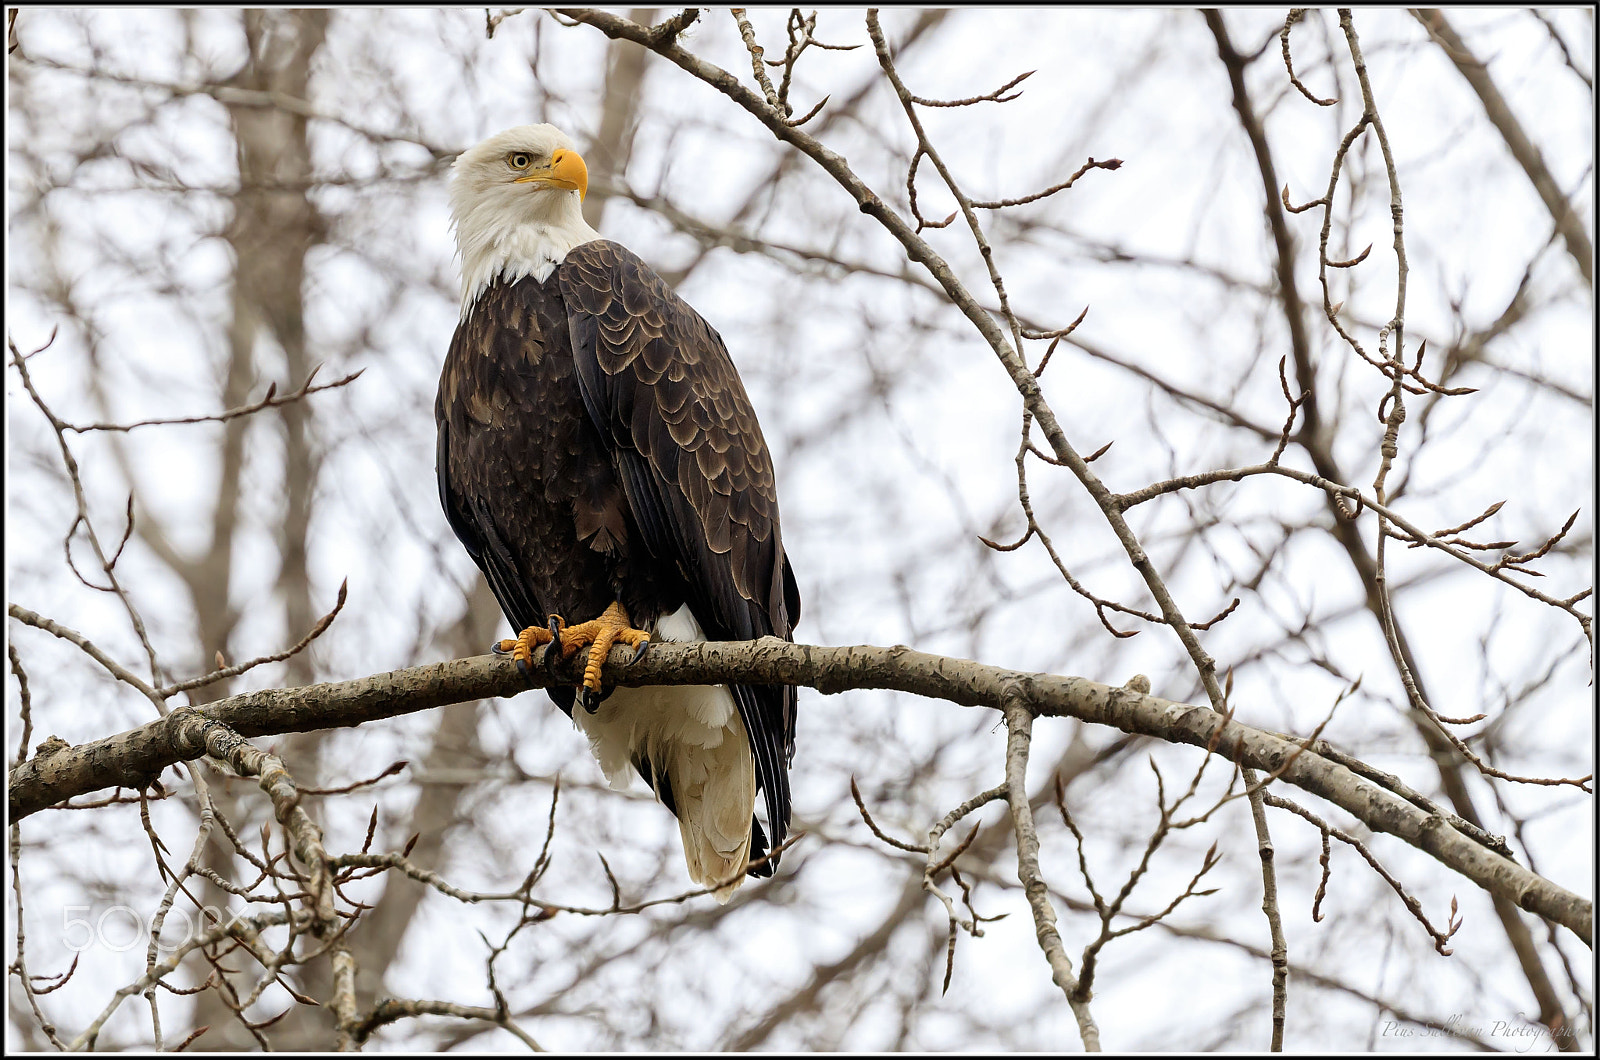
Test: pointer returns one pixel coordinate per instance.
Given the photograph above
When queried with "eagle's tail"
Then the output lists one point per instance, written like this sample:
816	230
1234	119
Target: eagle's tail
714	789
689	744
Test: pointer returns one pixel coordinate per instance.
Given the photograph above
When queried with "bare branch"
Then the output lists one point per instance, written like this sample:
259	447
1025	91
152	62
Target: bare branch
140	753
270	400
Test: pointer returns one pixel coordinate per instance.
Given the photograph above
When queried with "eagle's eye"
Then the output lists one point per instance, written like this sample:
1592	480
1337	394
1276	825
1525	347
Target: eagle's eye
519	159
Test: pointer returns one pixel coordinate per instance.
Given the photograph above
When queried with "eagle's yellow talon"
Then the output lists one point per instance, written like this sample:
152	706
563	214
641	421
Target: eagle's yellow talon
521	649
600	633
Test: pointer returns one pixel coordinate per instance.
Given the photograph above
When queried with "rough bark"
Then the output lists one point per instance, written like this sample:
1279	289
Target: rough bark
133	757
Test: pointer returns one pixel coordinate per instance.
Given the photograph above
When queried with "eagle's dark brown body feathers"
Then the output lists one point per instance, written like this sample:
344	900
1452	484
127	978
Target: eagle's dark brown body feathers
596	445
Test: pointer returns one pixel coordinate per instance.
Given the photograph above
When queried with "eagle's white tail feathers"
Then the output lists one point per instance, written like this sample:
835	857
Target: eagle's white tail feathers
695	736
715	792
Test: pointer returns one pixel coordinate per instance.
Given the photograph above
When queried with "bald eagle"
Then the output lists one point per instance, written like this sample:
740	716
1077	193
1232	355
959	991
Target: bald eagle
601	462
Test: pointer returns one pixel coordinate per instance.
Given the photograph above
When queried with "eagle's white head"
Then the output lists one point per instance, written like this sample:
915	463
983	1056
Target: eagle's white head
516	203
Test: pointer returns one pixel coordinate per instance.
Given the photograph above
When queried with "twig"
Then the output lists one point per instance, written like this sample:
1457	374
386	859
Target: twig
748	34
1440	938
492	22
268	401
1295	15
234	671
38	621
997	96
1001	204
82	518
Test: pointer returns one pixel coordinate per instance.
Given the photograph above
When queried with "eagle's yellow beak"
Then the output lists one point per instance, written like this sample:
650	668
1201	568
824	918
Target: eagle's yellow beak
566	171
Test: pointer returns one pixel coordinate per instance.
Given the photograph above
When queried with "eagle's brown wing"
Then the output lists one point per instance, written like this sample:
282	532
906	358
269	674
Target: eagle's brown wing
524	477
659	384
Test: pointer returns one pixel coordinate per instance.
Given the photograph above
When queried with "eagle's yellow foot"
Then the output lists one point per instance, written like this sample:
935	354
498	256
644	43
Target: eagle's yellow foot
521	649
601	633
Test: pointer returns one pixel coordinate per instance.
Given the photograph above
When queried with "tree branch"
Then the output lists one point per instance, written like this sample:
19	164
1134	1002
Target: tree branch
1476	72
133	758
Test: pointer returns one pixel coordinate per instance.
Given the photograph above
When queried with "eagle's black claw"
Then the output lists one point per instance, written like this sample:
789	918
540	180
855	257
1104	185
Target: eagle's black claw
553	652
590	701
638	653
509	647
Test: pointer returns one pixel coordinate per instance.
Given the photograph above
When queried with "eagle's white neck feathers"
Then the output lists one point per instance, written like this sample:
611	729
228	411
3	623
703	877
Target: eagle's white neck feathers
509	230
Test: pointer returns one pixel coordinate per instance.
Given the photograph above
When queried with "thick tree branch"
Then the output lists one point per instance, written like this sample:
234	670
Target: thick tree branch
134	758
